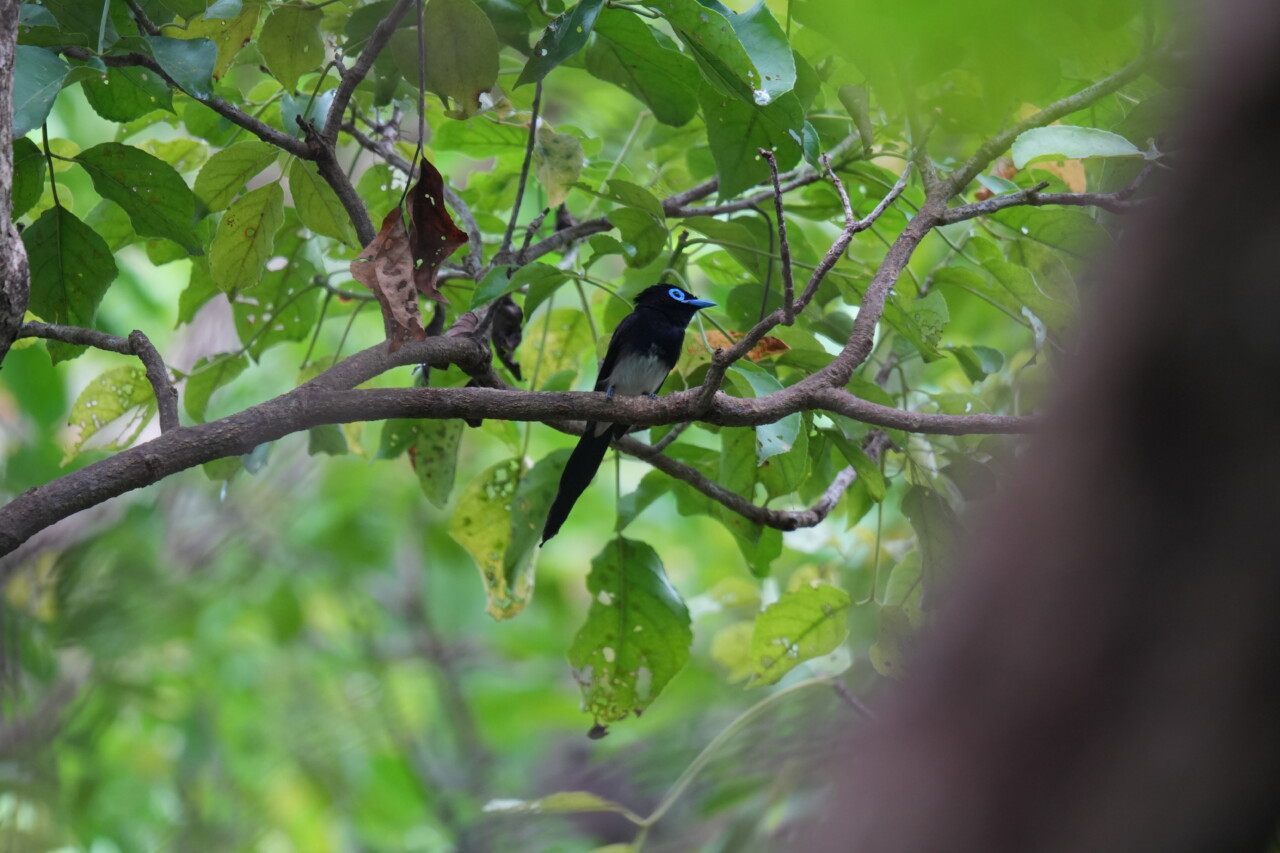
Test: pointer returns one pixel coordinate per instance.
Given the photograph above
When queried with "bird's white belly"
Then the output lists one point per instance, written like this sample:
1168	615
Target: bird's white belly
634	376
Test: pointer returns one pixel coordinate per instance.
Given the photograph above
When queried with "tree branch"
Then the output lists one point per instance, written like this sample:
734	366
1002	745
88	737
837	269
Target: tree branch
328	399
784	245
258	128
355	75
137	344
1119	201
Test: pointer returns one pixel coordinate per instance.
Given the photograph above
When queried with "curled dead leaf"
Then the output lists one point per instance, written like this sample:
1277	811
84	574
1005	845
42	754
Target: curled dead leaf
386	267
768	347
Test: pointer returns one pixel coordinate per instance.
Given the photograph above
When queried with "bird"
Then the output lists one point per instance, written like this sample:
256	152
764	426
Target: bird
644	348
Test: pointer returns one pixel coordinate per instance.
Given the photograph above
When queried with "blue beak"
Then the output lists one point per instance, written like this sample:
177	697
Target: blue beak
701	303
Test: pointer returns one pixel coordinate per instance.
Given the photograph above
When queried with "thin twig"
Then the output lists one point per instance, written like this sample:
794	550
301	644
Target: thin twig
1120	201
784	245
137	344
355	75
524	176
258	128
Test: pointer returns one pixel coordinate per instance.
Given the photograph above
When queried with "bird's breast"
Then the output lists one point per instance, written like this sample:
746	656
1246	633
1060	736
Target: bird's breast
639	373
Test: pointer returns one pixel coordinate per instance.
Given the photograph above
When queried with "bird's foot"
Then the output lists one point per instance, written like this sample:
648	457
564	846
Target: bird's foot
609	392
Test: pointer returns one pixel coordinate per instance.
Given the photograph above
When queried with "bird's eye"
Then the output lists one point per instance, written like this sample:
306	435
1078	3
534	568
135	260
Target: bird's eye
677	294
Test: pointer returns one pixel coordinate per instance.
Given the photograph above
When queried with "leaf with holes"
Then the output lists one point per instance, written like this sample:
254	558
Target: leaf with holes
245	237
120	399
433	235
433	452
481	524
71	268
637	634
385	266
800	625
157	199
291	44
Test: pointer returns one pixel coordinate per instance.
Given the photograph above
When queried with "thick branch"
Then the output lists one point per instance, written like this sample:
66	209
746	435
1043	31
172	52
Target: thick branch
137	344
14	278
325	400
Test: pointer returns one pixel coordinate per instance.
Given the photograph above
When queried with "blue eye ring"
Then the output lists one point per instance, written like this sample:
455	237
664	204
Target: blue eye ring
677	294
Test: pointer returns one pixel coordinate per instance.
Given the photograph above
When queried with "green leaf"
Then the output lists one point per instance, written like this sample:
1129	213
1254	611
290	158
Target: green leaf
777	437
284	307
497	283
801	625
481	138
37	79
106	401
739	473
645	235
227	172
1064	142
71	268
977	362
317	204
157	199
83	17
28	175
199	290
554	342
481	524
743	55
529	510
558	161
905	588
894	643
637	634
125	94
564	36
626	52
736	131
229	35
461	53
190	62
1024	286
207	376
433	451
563	802
868	471
242	246
935	524
184	155
291	44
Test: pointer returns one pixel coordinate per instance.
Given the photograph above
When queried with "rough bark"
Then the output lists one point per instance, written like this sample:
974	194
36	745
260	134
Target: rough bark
14	283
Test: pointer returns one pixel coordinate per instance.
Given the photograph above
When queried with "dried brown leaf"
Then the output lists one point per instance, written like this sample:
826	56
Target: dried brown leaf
768	347
386	267
433	235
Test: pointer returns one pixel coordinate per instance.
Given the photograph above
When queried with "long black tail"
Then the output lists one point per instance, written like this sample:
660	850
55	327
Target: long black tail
578	473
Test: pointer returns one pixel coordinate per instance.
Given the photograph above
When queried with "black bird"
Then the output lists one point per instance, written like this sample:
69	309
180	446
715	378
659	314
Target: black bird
643	350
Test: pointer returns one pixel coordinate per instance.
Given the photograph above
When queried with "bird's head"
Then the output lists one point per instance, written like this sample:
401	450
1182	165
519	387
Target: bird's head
672	301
